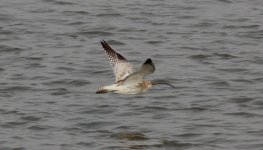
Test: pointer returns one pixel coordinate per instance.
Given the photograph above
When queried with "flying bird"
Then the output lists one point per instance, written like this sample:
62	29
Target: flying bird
127	81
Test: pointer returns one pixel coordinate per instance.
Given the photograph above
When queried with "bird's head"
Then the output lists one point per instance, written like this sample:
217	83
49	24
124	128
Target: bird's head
101	90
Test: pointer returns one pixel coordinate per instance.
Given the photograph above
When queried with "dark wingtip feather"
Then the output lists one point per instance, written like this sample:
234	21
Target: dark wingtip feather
109	50
148	61
103	43
148	65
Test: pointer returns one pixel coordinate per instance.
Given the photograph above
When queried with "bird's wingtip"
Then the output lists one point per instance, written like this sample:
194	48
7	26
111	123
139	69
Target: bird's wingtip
148	61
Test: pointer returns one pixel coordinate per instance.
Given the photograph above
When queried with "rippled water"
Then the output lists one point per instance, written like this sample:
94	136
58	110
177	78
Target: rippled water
51	63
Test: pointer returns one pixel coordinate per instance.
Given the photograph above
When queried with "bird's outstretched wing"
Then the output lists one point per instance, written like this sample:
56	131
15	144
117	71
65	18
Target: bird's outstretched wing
120	66
136	77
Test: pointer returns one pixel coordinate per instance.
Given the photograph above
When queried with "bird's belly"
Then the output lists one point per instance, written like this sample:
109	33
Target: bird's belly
134	89
126	89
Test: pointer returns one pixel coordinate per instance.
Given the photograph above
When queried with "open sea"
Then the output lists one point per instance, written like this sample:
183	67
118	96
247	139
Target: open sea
52	63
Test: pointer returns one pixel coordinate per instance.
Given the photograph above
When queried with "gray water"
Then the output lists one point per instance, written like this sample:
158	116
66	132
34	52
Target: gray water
51	63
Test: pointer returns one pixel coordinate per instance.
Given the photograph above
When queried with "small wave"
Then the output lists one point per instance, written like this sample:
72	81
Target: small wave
39	127
189	135
30	118
166	143
94	124
200	57
109	15
131	136
5	48
219	84
243	114
241	99
225	56
154	42
95	33
75	12
76	82
225	1
59	91
13	124
58	2
13	148
15	88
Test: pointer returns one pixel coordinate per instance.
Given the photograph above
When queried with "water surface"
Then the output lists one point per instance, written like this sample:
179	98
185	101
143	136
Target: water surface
51	63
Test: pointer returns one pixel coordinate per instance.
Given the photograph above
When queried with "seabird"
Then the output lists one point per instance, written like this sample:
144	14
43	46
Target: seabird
127	81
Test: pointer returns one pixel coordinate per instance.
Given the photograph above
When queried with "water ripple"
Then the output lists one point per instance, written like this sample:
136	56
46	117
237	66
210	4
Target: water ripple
52	63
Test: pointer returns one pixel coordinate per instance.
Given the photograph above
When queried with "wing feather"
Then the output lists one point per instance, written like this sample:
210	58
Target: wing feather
120	66
136	77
